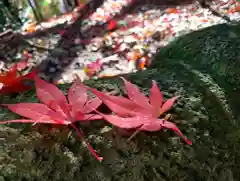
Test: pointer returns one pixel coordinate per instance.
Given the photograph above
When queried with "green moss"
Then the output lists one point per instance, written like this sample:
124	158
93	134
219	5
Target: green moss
214	52
214	49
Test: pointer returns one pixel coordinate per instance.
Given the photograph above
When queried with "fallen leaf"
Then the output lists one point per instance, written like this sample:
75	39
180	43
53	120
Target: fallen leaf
56	109
138	112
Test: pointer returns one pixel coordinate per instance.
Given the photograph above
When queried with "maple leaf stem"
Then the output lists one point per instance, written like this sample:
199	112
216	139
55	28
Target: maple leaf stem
133	135
80	134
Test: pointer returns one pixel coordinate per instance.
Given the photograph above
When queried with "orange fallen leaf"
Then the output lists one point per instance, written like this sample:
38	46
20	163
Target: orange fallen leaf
204	20
31	28
234	10
172	11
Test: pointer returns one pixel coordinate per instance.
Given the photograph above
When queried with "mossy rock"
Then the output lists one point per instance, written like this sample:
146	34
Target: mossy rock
205	112
213	52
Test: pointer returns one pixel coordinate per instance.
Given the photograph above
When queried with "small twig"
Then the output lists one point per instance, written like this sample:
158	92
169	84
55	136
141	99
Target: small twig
133	135
167	117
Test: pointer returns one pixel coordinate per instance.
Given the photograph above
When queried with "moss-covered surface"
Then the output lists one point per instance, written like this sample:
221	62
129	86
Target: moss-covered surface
213	52
206	112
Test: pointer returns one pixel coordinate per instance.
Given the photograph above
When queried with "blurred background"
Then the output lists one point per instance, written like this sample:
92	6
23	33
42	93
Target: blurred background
15	13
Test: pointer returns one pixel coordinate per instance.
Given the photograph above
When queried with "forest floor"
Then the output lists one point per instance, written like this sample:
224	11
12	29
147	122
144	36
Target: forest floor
118	37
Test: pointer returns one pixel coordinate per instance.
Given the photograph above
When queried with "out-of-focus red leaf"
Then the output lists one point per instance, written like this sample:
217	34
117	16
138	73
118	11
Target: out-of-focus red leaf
20	65
9	77
61	32
92	68
17	87
31	75
12	83
112	25
95	65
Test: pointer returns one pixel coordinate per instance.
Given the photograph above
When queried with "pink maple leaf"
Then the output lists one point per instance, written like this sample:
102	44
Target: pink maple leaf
139	112
56	109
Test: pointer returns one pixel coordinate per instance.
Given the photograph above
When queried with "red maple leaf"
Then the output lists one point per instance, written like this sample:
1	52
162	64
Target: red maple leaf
56	109
94	67
112	25
139	112
14	83
61	32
